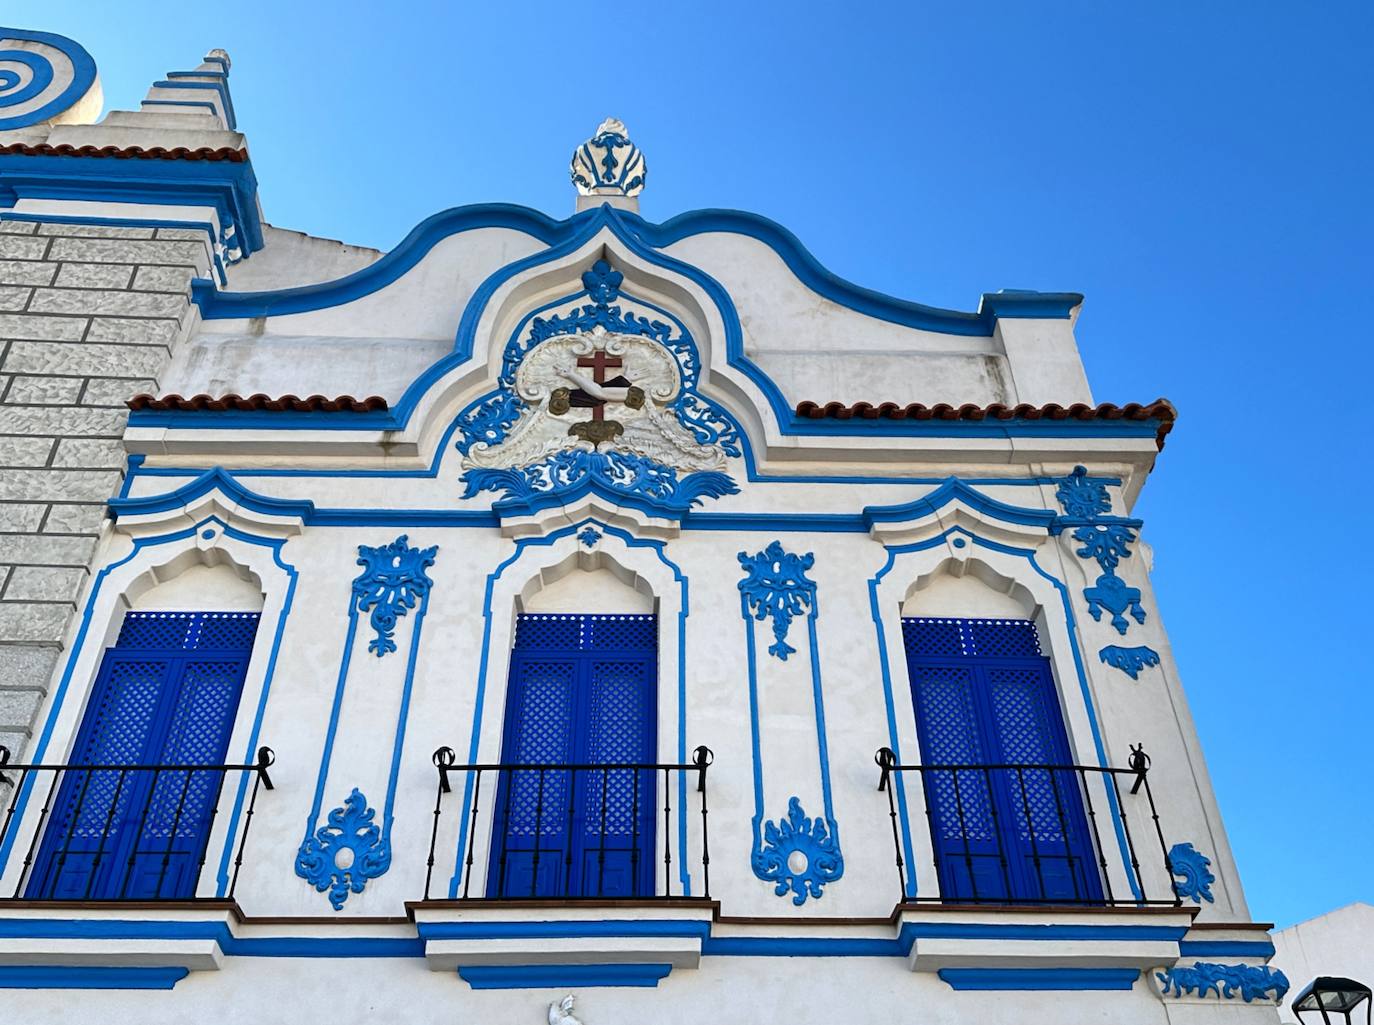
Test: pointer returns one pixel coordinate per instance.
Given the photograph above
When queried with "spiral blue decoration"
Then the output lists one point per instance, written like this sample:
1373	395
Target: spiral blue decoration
34	90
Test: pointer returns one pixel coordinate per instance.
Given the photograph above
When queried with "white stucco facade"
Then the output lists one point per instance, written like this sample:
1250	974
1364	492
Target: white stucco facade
991	490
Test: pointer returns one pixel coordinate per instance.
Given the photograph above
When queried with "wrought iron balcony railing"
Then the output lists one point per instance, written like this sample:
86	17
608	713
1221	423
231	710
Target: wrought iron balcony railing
1033	834
120	832
572	831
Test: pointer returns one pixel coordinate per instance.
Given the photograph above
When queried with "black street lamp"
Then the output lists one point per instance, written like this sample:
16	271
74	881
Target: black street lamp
1330	993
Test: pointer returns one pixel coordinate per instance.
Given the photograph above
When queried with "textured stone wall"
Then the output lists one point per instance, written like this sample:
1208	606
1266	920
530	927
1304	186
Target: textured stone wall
89	315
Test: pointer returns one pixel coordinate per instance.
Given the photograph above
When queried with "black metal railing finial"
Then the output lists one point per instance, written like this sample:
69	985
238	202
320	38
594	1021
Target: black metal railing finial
109	832
564	831
1029	833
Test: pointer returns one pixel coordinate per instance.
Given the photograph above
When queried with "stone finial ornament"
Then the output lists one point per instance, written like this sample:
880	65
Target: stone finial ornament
608	164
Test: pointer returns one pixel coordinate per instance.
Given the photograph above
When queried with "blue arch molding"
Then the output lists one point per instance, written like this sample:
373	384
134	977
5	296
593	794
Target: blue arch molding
644	239
82	80
217	478
229	186
74	653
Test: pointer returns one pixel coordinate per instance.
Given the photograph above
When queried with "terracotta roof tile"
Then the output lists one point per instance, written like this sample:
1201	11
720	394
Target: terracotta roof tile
229	153
1161	410
258	402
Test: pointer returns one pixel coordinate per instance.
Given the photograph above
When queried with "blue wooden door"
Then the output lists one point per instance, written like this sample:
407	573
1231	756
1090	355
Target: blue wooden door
582	693
985	696
166	694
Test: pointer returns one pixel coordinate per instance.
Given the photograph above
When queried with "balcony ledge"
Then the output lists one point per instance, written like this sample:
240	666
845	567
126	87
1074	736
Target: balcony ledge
518	944
1040	947
94	945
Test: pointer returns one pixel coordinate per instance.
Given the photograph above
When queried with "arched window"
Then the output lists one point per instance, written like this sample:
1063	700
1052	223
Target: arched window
582	694
1005	810
129	819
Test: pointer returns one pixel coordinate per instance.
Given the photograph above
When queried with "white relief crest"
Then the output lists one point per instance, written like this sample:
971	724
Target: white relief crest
599	391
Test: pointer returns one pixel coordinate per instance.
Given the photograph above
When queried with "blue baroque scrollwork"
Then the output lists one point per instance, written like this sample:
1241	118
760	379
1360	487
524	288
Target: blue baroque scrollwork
1190	865
1081	497
799	855
344	854
392	581
489	420
622	473
1227	981
775	586
1129	660
1108	543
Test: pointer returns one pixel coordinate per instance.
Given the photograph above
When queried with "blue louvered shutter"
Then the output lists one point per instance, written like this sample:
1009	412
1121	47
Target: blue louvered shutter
985	695
582	692
166	694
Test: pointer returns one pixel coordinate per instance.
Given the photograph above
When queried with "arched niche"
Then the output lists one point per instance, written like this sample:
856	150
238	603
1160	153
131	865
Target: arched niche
970	589
587	582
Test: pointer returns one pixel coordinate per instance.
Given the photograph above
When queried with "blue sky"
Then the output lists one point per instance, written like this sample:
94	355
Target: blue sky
1200	171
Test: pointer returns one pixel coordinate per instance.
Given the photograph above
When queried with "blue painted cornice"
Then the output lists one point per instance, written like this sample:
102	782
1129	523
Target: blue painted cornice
216	479
558	234
953	489
229	186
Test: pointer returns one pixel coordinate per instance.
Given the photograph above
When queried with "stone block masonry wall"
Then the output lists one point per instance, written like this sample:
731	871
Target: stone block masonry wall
89	315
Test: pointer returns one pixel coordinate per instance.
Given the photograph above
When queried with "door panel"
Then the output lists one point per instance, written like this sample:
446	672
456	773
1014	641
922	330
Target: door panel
985	696
141	834
582	692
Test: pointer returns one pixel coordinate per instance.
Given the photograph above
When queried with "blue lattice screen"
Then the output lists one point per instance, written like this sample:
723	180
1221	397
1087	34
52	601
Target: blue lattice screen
582	692
1003	826
166	694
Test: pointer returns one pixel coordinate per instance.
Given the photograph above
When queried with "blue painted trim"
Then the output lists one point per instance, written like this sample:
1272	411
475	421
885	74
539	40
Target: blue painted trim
1084	689
1226	948
215	305
417	244
60	693
219	85
129	222
951	490
563	930
228	186
182	103
255	735
1050	932
433	469
521	544
398	743
641	238
215	479
88	977
803	946
1039	978
562	976
83	76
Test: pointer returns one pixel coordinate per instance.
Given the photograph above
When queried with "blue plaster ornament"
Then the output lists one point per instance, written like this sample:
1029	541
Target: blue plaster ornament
775	586
589	536
1108	543
392	582
1112	594
343	855
1129	660
1251	982
798	838
623	474
1081	498
1195	882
